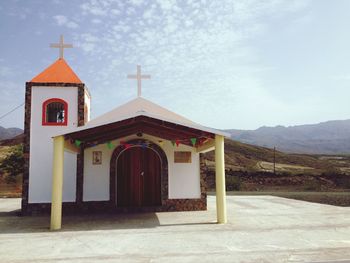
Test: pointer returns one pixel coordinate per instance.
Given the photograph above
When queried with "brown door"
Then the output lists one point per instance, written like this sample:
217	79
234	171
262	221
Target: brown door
138	177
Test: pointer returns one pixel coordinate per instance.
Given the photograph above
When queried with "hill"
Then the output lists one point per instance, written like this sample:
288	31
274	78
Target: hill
331	137
251	168
244	157
9	133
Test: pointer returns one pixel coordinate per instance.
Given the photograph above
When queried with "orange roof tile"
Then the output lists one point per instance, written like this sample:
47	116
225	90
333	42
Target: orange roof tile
58	72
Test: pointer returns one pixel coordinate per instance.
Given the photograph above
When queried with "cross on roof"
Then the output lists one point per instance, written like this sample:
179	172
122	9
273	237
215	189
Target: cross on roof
139	77
61	46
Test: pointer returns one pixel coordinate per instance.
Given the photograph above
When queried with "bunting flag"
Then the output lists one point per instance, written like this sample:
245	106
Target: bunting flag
193	141
77	143
110	145
127	145
190	141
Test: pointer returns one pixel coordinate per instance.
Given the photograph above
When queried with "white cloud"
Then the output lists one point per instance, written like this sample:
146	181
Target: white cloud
196	51
64	21
60	20
130	11
115	12
136	2
89	37
189	23
148	14
166	5
87	47
95	8
121	27
96	21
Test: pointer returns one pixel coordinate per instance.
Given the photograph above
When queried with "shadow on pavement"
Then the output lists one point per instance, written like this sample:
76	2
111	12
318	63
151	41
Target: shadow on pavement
12	222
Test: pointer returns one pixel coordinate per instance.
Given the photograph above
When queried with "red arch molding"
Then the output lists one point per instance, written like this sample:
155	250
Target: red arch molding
47	102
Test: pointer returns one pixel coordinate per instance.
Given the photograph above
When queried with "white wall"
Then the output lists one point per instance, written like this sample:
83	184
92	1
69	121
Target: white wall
184	179
69	177
41	146
96	177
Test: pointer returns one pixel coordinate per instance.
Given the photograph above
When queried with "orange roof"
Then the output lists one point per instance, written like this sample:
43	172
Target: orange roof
58	72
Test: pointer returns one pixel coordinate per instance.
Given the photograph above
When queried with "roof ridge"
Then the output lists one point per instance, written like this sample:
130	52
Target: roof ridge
139	105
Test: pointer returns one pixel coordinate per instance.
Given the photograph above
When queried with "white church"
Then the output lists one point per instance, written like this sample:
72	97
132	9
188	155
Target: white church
137	157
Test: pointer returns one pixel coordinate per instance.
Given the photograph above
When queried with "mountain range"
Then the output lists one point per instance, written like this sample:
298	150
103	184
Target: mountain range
9	133
331	137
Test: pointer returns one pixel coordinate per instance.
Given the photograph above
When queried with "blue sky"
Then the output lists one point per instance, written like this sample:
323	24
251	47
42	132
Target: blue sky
224	64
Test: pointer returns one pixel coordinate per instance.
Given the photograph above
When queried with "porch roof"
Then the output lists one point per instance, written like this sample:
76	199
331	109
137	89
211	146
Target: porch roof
141	116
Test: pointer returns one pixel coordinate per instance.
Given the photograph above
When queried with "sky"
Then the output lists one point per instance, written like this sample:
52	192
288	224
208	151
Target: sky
223	64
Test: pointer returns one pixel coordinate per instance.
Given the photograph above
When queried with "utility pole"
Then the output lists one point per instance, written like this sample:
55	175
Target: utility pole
274	160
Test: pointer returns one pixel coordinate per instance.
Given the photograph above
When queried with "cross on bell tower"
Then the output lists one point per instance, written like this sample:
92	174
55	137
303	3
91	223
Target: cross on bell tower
61	46
139	77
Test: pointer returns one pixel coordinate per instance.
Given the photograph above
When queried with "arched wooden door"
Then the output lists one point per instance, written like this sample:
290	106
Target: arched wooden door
138	177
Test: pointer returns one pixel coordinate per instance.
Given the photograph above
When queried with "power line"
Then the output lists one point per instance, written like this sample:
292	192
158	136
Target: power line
3	116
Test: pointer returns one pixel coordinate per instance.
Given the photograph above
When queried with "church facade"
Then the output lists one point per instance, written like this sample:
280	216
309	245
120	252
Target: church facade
137	157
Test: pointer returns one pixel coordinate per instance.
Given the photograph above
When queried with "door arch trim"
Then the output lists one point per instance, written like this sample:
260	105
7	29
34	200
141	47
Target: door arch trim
164	168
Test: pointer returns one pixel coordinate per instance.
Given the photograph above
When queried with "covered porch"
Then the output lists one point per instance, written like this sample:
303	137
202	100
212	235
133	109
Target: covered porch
200	138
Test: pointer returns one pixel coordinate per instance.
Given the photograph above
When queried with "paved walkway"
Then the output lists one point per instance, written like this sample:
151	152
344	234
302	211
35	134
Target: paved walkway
260	229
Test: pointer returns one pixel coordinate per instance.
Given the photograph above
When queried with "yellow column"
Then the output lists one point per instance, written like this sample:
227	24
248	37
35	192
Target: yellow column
220	179
57	183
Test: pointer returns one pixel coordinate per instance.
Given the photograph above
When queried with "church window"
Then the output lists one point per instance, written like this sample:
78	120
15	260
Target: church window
55	112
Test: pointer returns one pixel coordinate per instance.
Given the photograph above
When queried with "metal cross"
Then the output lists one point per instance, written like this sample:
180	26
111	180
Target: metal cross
138	77
61	46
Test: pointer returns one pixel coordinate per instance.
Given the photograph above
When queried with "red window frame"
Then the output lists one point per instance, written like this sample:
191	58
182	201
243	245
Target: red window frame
65	105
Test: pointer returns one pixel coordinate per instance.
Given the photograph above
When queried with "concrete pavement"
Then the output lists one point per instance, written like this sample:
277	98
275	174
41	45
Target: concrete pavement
260	229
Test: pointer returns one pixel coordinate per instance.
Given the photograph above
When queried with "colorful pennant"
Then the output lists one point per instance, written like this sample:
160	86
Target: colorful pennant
127	145
193	141
110	145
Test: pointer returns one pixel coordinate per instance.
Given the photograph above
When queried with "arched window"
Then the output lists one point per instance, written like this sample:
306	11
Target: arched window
55	112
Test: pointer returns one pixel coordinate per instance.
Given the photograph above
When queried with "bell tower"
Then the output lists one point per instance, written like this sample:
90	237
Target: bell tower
55	101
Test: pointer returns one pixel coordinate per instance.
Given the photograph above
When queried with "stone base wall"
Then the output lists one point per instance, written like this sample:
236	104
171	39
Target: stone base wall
72	208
